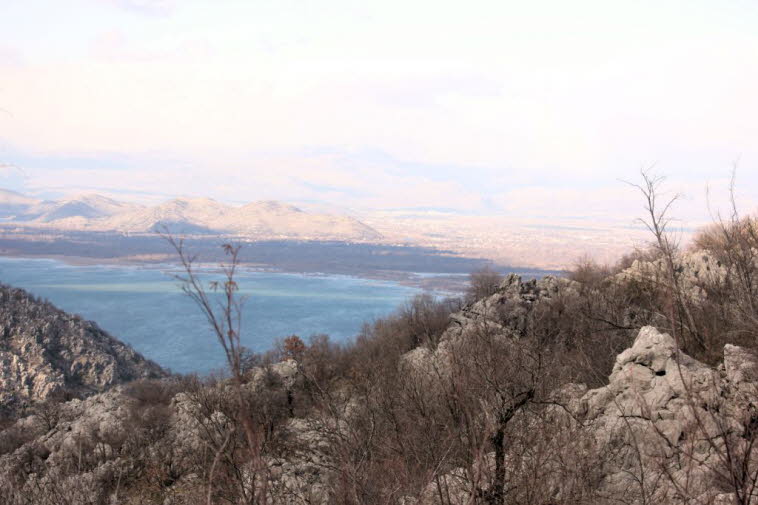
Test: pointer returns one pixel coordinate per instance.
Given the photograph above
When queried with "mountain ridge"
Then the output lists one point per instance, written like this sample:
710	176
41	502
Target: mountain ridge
12	202
198	215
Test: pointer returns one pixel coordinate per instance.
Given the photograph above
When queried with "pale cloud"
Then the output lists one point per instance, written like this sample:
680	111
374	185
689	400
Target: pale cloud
335	178
10	170
494	107
152	7
10	57
696	202
115	46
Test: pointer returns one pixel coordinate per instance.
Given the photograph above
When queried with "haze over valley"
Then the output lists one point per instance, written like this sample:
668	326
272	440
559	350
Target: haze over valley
505	241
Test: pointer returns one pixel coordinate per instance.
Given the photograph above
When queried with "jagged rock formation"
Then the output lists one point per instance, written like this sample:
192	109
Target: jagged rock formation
507	308
670	422
104	435
666	429
45	352
504	312
694	268
655	433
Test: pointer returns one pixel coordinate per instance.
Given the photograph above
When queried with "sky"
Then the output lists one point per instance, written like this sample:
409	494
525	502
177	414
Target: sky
536	108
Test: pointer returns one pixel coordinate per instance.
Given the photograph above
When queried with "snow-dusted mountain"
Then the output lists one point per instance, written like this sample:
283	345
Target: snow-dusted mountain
275	218
77	209
183	215
12	203
263	219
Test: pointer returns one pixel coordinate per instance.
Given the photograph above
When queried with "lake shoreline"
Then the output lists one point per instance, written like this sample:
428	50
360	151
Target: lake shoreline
444	283
419	267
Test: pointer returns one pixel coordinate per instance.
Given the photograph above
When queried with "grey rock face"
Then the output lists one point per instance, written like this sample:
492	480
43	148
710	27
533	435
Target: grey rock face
117	434
667	419
45	351
506	310
658	432
694	268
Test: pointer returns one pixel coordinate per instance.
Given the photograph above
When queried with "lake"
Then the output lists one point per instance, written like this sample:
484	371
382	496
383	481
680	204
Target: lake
145	307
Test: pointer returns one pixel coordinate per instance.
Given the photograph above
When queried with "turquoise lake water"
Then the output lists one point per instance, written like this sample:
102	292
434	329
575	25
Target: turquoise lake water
146	308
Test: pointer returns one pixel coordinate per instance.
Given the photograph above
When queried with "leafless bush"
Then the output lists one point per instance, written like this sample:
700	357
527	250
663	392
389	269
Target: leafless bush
482	283
587	328
589	272
13	436
425	319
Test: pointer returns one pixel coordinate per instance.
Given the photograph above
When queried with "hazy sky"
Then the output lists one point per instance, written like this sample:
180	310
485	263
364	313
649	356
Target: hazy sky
492	107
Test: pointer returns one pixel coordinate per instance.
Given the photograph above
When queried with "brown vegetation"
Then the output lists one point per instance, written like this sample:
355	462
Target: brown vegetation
443	402
482	283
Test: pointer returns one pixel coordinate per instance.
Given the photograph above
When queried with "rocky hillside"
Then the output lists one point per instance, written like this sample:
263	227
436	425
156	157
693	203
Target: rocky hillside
45	352
551	391
678	429
666	429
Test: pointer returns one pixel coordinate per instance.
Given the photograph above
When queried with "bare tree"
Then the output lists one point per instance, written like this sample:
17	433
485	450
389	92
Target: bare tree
658	223
222	307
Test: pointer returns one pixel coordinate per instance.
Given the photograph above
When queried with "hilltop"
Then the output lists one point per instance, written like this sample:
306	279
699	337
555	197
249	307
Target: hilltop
65	213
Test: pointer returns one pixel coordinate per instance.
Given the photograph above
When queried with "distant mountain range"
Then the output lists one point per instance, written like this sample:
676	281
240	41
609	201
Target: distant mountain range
260	220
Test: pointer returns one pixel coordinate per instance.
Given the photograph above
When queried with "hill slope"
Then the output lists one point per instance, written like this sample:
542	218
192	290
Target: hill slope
46	352
88	206
276	218
182	215
12	203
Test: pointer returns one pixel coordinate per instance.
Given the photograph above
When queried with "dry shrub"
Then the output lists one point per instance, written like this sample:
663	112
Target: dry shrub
721	238
154	391
644	255
14	436
588	271
293	347
482	283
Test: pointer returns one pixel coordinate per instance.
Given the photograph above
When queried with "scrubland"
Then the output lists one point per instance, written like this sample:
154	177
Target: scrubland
626	383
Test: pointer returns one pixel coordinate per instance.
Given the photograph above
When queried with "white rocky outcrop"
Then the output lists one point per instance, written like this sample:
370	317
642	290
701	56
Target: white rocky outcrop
694	269
670	420
659	432
507	308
